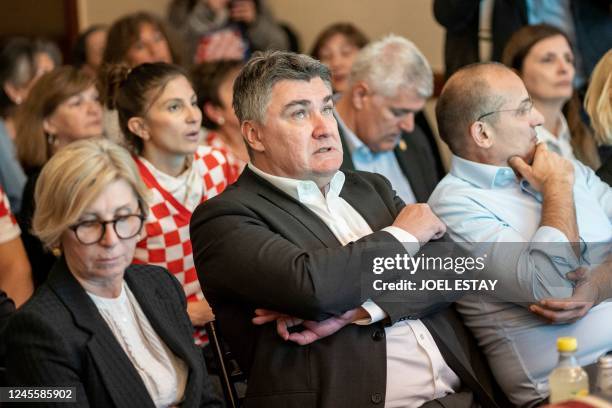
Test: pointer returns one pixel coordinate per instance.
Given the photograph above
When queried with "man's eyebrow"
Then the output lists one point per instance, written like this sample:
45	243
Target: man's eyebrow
297	102
328	98
525	101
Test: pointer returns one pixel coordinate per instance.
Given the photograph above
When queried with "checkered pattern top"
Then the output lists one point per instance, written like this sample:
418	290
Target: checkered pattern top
8	225
212	139
166	242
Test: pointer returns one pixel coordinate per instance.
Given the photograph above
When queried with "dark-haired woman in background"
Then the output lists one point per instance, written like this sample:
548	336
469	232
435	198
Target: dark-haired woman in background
160	118
134	39
542	56
117	333
62	107
89	48
213	83
337	46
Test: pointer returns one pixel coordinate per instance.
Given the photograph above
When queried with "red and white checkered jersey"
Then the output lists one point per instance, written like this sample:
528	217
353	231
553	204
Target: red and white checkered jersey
8	225
166	232
237	164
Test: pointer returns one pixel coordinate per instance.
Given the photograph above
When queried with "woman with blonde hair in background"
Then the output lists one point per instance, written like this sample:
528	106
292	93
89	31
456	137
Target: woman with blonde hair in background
598	104
61	108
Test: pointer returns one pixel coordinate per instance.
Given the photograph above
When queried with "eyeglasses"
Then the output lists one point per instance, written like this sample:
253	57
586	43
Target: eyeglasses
92	232
523	110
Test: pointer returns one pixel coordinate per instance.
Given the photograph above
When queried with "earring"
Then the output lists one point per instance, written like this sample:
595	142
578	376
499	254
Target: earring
52	140
221	121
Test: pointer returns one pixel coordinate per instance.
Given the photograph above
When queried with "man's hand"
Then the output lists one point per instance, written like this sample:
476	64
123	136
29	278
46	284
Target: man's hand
313	330
569	310
420	221
548	168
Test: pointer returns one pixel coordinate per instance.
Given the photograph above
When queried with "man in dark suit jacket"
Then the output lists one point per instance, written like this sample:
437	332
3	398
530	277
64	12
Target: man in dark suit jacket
295	235
390	82
61	332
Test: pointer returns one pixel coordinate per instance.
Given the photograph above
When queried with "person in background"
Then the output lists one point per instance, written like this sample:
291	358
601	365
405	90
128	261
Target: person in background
598	105
224	29
116	332
588	24
160	118
213	83
15	272
389	83
542	56
89	49
337	46
47	55
17	75
136	38
62	107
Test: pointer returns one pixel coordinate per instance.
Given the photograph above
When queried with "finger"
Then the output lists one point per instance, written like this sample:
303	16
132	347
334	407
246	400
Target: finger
557	317
281	328
561	304
303	338
577	275
519	166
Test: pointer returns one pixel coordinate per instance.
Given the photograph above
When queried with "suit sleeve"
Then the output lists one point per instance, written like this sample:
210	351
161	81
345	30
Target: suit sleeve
239	258
37	355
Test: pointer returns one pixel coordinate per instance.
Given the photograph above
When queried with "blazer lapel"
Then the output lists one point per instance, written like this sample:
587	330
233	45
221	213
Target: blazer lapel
163	316
116	370
287	204
366	202
409	163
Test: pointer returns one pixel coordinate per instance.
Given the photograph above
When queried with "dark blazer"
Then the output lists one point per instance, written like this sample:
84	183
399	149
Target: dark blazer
415	158
58	338
592	19
255	246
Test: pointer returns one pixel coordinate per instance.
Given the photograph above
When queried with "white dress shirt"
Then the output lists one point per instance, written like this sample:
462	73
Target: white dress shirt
416	371
163	374
559	144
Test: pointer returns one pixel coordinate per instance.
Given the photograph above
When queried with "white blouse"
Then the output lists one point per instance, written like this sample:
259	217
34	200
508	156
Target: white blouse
164	374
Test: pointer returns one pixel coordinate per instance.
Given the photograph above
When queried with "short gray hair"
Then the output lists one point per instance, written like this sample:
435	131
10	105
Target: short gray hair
392	63
253	86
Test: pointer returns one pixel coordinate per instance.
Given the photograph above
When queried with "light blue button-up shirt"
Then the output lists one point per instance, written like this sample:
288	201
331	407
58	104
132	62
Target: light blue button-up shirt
384	163
487	204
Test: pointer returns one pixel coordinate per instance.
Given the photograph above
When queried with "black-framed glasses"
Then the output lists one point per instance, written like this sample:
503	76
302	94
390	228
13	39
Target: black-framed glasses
92	231
524	109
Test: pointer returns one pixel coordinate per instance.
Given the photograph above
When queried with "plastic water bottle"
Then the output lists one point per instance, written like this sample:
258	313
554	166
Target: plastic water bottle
568	380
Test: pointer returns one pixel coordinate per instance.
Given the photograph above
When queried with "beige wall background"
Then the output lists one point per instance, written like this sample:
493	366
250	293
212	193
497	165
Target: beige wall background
410	18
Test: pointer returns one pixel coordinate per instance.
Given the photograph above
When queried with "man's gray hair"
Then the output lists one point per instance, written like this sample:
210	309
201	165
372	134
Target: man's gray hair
253	87
393	63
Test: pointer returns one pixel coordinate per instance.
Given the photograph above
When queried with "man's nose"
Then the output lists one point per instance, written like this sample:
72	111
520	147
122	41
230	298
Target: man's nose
322	125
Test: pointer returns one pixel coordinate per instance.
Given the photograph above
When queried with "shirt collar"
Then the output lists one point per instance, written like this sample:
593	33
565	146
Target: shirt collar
303	191
482	175
352	141
489	177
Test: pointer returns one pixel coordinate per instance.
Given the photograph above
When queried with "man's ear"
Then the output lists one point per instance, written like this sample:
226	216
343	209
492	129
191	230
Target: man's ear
138	126
214	113
252	134
359	93
482	134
